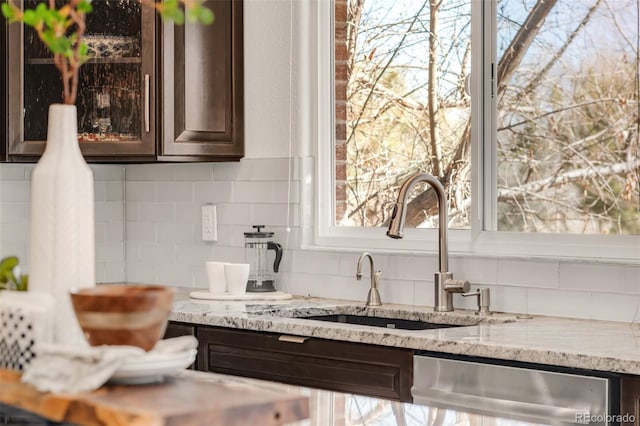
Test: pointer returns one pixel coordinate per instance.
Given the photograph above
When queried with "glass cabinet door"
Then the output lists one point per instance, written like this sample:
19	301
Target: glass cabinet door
115	91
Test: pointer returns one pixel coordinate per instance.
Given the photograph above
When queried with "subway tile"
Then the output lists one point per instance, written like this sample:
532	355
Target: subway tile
156	252
142	272
132	211
14	212
192	172
242	170
100	232
592	277
13	234
175	232
99	191
115	231
251	192
188	212
156	212
507	299
404	267
114	272
200	278
140	232
283	192
614	307
276	214
528	273
632	279
107	172
149	172
141	191
394	291
12	172
315	262
110	252
114	190
175	191
14	190
213	192
234	214
175	274
106	211
273	169
476	270
191	254
423	292
559	303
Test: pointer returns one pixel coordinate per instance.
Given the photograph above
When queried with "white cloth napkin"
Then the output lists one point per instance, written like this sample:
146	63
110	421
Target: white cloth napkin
72	369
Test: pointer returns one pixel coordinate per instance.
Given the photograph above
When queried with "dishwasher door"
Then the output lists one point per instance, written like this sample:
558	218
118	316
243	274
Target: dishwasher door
513	392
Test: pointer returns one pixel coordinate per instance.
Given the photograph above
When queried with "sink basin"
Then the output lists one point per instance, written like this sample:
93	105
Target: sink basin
397	323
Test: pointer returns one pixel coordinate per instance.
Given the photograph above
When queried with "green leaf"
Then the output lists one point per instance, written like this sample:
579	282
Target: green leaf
30	17
206	16
85	6
8	12
6	268
23	285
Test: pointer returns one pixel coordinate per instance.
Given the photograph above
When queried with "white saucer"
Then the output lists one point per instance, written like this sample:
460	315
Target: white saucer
272	295
152	367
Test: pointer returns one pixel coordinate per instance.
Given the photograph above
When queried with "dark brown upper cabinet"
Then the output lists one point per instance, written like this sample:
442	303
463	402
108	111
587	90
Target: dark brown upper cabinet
150	92
115	90
202	87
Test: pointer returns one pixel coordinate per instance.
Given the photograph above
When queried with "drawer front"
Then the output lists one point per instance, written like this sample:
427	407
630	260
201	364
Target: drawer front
325	364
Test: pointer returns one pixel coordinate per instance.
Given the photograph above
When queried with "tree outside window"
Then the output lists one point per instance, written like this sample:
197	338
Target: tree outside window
566	137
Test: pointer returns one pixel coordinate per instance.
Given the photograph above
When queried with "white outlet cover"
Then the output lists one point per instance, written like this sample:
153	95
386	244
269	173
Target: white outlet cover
209	223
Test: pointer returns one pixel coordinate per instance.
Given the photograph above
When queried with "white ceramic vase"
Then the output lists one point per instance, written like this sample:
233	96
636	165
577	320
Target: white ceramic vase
62	234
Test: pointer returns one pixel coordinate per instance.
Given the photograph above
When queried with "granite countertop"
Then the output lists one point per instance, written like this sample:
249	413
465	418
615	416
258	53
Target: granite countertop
588	344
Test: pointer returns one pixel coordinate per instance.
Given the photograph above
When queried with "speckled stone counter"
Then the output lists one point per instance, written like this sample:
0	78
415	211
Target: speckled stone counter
594	345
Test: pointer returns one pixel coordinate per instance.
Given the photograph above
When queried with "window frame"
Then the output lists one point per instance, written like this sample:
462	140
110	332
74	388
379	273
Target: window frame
482	239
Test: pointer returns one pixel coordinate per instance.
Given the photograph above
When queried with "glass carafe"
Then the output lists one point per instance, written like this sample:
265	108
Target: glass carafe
261	274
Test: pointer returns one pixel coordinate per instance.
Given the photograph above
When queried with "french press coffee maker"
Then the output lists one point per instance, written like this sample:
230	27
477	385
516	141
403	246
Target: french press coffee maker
256	246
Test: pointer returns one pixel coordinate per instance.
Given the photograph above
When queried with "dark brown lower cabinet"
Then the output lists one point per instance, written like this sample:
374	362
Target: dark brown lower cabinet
630	399
325	364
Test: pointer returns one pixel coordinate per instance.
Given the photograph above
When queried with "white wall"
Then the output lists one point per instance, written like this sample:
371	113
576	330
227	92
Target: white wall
162	202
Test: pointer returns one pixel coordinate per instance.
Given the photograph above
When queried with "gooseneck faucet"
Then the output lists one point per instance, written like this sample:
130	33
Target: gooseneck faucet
445	285
373	299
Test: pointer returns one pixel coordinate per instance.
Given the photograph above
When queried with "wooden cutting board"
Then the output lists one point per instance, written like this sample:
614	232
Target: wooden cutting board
176	402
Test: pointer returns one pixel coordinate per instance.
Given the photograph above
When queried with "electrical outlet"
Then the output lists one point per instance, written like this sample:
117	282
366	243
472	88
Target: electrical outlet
209	223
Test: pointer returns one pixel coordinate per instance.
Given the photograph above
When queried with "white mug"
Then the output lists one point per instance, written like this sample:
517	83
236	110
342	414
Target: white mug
217	279
236	275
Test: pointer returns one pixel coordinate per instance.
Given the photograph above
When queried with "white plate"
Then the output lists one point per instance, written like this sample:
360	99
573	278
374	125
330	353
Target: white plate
271	295
151	367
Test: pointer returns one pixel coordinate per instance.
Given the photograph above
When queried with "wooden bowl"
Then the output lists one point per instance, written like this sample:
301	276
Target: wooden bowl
120	314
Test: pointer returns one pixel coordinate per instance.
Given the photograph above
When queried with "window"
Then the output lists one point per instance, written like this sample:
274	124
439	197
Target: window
556	93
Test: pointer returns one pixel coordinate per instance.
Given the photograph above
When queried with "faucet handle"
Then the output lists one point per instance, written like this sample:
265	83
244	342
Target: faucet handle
457	286
483	300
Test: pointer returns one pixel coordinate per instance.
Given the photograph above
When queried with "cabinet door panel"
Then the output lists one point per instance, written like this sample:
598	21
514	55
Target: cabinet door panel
203	85
112	94
326	364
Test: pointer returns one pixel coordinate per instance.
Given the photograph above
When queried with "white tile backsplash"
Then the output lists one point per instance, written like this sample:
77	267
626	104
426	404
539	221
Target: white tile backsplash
109	210
148	230
528	273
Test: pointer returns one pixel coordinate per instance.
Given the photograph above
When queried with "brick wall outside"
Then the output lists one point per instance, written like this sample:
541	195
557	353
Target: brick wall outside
341	79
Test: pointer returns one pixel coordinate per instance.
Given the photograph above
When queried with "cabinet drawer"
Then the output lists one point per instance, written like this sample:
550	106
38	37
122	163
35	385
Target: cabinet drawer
326	364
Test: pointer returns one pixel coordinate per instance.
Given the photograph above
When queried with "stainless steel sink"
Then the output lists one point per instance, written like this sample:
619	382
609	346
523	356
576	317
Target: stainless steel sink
395	323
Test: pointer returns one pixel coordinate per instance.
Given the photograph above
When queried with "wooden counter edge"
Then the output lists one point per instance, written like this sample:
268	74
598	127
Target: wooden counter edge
178	401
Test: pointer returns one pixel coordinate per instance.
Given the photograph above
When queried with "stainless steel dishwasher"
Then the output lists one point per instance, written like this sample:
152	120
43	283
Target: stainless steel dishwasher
528	394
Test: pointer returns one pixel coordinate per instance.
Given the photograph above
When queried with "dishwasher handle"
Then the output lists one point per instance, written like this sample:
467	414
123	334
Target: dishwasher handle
498	407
